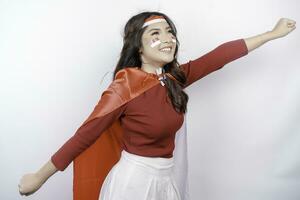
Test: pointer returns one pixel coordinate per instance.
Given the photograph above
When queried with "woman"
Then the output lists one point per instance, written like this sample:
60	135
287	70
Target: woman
139	116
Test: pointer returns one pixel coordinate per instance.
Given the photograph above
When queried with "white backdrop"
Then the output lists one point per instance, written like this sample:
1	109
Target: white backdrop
243	120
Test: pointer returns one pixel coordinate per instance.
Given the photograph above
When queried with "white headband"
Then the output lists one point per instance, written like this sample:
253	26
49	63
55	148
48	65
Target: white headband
153	21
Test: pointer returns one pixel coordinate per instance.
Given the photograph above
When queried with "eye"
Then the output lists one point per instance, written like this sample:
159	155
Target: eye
154	33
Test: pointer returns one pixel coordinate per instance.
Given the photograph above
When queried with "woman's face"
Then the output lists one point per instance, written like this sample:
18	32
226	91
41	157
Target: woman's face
158	44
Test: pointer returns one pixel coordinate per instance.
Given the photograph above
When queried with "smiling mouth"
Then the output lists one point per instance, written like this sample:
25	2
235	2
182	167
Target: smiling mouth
166	50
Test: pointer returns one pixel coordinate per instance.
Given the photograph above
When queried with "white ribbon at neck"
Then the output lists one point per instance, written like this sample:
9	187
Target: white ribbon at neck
160	78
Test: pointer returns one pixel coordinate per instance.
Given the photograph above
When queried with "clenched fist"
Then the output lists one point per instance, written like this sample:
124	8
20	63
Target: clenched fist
30	183
283	27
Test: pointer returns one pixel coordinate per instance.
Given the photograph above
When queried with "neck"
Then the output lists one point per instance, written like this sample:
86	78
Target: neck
150	68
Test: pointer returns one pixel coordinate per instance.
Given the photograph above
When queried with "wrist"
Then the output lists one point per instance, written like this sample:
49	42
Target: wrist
40	180
270	35
41	176
46	171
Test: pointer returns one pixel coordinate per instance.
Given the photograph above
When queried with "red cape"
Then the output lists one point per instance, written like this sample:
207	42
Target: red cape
92	166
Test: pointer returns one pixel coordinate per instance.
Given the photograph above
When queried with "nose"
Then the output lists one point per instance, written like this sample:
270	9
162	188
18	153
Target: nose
166	38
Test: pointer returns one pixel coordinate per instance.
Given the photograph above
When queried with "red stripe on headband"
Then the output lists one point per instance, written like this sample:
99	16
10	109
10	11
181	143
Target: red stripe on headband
154	17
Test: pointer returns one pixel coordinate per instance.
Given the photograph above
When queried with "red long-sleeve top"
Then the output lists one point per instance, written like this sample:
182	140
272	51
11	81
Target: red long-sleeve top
149	121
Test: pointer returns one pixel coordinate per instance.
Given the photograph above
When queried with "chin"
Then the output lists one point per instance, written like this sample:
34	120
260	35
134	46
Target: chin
168	59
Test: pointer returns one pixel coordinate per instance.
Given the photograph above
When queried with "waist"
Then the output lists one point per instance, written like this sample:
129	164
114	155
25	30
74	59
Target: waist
152	162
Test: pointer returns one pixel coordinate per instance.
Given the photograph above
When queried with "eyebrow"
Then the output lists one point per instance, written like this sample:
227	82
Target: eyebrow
168	27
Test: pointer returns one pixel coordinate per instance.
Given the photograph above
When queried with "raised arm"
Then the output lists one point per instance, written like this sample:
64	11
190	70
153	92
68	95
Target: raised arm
213	60
232	50
283	27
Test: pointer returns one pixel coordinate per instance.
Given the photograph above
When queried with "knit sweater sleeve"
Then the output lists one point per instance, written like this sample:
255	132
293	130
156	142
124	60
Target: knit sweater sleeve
214	60
84	137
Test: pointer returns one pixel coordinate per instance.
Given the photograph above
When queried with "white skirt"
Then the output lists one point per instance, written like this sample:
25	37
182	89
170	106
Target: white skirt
136	177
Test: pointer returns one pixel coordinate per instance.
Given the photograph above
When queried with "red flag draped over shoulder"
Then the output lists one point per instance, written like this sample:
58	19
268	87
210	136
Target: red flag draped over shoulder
92	166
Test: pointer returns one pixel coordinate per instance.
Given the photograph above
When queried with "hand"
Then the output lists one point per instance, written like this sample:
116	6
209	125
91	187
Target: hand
283	27
29	184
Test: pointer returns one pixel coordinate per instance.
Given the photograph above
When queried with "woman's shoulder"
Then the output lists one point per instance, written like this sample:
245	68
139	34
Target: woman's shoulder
130	82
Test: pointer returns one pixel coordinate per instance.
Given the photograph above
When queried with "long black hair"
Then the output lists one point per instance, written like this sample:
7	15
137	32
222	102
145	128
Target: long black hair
130	57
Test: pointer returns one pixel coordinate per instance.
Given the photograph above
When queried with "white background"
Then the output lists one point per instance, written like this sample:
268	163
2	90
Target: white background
243	120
